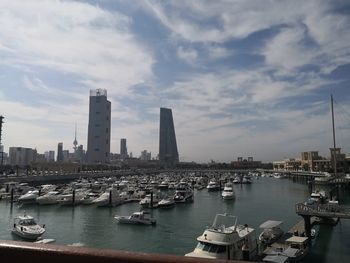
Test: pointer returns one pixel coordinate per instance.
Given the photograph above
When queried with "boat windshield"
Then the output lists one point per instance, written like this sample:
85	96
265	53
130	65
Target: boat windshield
211	248
27	222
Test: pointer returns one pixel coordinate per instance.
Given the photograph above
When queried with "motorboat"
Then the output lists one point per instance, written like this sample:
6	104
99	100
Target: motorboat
213	186
166	202
29	198
296	249
237	180
235	242
247	179
148	199
49	199
142	218
25	227
163	185
109	198
183	193
271	232
228	192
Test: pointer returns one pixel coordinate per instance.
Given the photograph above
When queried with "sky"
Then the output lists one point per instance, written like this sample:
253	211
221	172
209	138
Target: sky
242	77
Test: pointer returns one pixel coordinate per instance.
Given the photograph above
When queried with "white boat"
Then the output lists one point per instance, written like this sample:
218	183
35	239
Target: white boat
236	242
26	227
271	232
228	192
166	202
29	197
213	186
164	185
146	201
108	198
142	218
49	199
247	179
183	193
236	180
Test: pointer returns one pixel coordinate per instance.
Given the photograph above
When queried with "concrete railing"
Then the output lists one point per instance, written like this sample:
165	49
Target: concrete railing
13	251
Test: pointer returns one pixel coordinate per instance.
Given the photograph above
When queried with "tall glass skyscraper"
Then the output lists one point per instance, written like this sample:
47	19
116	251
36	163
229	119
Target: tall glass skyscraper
123	148
99	132
168	154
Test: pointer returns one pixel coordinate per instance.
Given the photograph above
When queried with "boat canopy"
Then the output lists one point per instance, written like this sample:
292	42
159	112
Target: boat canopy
270	224
296	239
275	258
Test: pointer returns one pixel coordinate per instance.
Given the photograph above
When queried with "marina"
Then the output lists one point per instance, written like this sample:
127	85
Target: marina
177	228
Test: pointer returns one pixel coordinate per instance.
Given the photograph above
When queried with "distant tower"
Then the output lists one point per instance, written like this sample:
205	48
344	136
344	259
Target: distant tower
168	154
99	132
60	152
123	148
75	142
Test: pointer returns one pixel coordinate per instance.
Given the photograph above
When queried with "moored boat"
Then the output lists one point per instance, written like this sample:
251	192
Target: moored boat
236	242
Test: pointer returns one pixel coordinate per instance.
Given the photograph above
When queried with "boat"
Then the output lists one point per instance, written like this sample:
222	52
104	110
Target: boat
247	179
166	202
271	232
141	218
25	227
183	193
108	198
236	242
213	186
228	192
29	198
164	185
297	248
50	198
147	200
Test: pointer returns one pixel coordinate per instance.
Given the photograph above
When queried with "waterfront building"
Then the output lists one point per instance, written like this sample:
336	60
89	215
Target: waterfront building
22	156
168	154
123	149
248	163
99	134
60	152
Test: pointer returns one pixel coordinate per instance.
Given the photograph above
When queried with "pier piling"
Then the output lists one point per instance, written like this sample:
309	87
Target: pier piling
110	198
73	197
151	204
12	190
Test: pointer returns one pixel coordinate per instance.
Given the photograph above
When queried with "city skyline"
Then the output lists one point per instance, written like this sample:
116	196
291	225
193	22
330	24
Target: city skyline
243	78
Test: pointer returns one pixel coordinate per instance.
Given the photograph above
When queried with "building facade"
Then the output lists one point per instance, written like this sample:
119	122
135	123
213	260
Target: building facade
168	154
123	149
22	156
99	131
60	152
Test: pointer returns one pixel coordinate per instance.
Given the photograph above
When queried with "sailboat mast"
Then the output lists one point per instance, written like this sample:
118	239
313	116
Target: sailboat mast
334	146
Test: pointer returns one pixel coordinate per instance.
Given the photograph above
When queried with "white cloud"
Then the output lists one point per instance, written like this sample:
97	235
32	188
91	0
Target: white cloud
188	55
74	37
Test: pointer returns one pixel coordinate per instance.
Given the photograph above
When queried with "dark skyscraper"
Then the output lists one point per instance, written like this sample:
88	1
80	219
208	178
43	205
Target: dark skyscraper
60	152
99	132
123	148
168	154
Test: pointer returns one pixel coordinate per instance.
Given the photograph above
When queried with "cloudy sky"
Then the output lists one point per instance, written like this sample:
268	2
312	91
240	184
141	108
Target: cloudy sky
243	78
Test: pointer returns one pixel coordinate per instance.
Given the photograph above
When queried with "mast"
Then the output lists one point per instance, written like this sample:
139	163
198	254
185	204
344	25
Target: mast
334	146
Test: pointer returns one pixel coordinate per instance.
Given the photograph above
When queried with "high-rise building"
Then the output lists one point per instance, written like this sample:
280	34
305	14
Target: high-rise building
60	152
50	156
22	156
99	132
168	154
145	156
123	148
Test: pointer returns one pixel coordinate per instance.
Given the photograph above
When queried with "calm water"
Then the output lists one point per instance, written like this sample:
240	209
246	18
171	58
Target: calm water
177	228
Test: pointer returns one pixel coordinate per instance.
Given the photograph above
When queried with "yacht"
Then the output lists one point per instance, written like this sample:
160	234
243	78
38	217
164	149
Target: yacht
236	242
108	198
146	201
26	227
50	198
183	193
166	202
163	185
29	198
247	179
228	193
142	218
271	232
213	186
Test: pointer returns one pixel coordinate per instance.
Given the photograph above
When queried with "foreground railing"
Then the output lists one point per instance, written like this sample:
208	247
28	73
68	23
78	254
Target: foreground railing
13	251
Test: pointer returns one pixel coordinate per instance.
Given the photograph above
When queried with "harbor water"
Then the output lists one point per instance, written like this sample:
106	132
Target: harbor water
177	228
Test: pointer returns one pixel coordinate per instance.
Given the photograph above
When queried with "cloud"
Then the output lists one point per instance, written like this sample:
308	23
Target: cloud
188	55
74	37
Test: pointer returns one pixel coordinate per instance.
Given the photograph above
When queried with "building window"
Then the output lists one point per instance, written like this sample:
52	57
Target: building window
97	125
107	130
97	136
106	154
97	149
107	141
97	112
